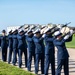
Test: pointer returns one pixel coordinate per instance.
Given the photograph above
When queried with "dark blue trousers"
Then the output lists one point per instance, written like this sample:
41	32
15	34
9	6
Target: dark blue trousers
39	57
64	63
31	54
10	55
4	54
15	52
49	60
21	51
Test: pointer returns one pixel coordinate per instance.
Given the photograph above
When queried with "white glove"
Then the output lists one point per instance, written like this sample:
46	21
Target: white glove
26	34
34	34
43	35
66	37
71	32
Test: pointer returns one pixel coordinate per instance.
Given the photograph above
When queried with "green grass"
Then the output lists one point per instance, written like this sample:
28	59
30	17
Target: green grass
6	69
72	43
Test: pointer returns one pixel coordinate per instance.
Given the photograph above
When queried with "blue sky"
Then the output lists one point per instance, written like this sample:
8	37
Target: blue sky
19	12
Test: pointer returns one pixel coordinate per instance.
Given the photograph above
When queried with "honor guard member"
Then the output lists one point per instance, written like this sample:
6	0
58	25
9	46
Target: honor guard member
15	46
62	53
10	44
49	52
4	45
31	48
0	41
39	51
22	47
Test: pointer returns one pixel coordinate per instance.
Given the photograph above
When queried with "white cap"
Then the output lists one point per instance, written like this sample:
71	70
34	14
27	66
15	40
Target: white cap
20	30
57	33
47	30
10	31
29	31
15	30
36	31
26	26
31	27
43	26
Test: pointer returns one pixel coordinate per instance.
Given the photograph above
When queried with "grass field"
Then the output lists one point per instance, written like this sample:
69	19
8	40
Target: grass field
72	43
6	69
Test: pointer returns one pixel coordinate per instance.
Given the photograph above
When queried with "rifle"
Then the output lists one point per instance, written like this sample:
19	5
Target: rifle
64	25
54	29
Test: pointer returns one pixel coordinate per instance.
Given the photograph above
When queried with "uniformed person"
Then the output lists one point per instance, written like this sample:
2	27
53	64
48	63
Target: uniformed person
62	53
10	44
31	48
15	46
49	52
39	51
0	41
22	47
4	45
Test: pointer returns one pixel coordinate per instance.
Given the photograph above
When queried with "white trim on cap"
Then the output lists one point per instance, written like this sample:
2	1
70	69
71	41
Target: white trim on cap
47	30
57	33
29	31
20	30
38	30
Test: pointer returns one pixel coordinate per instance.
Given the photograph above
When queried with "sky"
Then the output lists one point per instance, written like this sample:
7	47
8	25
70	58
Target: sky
19	12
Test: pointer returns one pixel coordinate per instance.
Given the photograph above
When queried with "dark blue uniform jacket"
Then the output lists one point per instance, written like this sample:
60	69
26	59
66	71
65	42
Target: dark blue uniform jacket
10	41
0	41
21	41
49	46
62	51
15	41
4	41
39	45
30	43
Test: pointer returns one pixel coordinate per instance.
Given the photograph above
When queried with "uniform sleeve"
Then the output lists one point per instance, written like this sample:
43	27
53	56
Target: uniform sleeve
0	41
59	42
40	39
69	39
36	40
7	41
49	39
29	39
23	36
